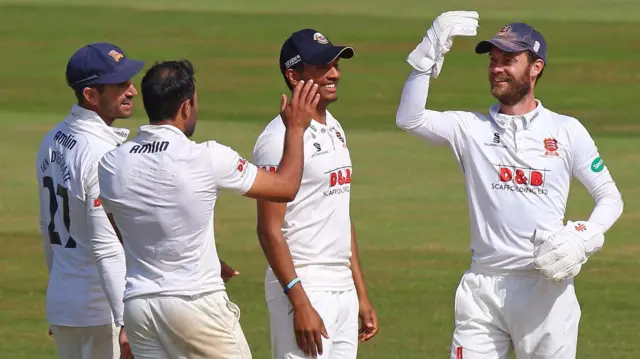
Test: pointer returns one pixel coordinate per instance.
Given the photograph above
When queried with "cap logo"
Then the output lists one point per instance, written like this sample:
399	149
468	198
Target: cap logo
505	28
115	55
320	38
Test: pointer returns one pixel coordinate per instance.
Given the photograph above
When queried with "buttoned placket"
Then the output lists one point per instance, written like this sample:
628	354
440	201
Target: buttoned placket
326	131
518	124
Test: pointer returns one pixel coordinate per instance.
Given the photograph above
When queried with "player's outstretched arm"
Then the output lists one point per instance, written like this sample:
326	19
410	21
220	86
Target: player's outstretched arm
283	185
426	61
308	326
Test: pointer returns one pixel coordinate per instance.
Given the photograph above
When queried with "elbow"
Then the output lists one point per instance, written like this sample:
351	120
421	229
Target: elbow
406	121
401	120
289	193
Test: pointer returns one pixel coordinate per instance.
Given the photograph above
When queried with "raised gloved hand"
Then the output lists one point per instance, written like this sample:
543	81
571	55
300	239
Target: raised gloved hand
429	54
560	255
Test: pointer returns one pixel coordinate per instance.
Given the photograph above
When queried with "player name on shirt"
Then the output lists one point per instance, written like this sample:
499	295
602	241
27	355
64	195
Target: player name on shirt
57	157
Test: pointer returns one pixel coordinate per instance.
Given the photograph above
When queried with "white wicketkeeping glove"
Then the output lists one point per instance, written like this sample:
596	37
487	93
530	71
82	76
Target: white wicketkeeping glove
560	255
429	54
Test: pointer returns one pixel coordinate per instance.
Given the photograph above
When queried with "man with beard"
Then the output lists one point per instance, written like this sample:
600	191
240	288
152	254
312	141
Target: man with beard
518	161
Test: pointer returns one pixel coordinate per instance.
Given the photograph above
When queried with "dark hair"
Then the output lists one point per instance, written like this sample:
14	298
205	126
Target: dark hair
80	95
165	86
532	59
299	68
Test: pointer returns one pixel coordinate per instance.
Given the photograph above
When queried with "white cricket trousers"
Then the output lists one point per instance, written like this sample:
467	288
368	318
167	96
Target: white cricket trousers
496	314
96	342
185	327
339	312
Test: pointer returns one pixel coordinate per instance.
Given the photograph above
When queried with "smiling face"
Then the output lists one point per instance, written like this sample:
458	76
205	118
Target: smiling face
326	76
512	76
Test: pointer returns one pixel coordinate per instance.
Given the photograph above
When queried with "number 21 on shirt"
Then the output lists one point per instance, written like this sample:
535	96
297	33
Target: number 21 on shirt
54	193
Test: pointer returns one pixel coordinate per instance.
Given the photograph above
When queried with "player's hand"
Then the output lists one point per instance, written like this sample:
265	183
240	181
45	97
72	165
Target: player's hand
559	256
309	329
299	111
368	321
227	272
428	56
453	23
125	348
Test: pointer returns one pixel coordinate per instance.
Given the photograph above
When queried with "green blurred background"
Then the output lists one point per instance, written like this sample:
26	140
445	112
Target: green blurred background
408	200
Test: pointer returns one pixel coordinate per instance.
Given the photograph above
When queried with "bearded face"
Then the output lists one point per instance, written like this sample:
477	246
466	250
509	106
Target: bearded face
510	76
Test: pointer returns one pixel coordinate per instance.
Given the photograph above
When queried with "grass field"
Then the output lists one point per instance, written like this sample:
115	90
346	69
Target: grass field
408	205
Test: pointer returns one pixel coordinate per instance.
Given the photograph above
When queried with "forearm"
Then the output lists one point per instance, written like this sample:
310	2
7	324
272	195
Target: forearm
608	206
411	111
110	259
278	255
112	270
290	168
356	269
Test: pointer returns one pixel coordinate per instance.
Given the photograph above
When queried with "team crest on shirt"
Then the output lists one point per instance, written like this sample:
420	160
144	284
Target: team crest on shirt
339	135
551	147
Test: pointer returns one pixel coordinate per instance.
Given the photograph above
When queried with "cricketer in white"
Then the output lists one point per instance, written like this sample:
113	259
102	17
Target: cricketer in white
160	190
518	161
85	260
314	286
70	220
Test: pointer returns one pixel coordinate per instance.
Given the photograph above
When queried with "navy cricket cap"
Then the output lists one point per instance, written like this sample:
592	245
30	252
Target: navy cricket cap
516	37
310	47
100	63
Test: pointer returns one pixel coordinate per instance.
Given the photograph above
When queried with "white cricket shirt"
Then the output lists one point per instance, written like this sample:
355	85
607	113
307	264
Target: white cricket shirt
67	177
317	223
162	188
517	171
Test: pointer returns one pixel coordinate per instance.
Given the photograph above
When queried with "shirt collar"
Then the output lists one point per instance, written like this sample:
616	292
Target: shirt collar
161	131
316	126
503	120
85	120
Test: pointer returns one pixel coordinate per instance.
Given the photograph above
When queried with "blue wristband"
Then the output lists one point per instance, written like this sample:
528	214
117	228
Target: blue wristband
291	284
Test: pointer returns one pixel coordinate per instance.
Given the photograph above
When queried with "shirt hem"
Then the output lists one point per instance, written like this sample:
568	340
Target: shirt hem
97	323
175	293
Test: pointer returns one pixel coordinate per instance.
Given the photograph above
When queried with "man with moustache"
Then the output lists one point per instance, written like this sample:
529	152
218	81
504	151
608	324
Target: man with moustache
86	262
518	161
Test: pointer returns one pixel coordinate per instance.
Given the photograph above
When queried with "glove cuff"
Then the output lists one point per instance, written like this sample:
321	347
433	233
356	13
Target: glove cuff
426	56
591	234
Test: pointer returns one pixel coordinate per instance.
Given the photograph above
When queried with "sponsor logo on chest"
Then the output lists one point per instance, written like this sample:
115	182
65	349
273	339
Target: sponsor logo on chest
339	181
521	179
